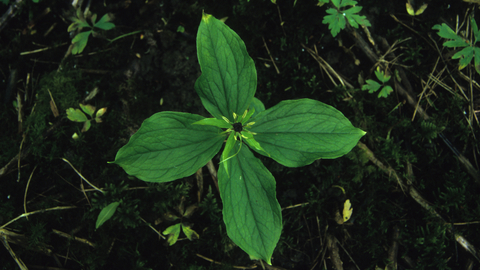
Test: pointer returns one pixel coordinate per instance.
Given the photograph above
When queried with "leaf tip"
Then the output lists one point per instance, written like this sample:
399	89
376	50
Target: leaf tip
205	17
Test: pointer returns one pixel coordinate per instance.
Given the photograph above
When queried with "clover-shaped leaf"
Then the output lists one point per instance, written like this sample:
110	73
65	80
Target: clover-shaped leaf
104	23
336	20
76	115
80	42
173	232
88	109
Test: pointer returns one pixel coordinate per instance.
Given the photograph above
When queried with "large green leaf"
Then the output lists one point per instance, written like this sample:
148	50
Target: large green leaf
168	147
297	132
257	104
251	211
229	79
446	32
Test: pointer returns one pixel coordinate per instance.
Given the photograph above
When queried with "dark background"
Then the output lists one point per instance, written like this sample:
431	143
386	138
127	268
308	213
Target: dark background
153	71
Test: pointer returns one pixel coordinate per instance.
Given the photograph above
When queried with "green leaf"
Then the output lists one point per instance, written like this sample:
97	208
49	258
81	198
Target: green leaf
321	2
352	10
251	211
180	29
446	32
94	18
386	90
381	76
297	132
335	21
88	109
104	23
86	126
258	105
168	147
477	59
248	116
226	151
77	24
476	31
80	41
99	114
191	234
467	56
371	85
336	3
348	3
213	122
173	232
253	143
76	115
106	214
229	79
362	20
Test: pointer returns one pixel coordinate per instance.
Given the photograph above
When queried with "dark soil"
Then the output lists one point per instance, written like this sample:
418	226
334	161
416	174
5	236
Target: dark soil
413	181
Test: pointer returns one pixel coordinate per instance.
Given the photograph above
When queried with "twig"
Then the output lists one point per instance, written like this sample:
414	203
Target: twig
412	100
26	190
219	263
420	200
271	58
37	212
213	173
81	176
151	227
19	261
334	252
393	251
326	67
78	239
43	49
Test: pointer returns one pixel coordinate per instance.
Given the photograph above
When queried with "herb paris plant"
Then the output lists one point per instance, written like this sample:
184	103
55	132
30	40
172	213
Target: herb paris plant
172	145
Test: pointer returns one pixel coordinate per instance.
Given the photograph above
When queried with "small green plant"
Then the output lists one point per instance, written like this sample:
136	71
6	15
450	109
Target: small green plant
172	145
80	40
469	51
412	12
173	232
373	86
336	20
77	115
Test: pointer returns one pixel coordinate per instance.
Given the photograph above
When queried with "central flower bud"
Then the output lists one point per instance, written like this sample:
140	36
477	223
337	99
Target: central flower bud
237	127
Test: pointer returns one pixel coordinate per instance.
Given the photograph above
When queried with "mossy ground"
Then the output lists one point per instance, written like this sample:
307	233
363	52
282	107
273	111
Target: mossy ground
137	77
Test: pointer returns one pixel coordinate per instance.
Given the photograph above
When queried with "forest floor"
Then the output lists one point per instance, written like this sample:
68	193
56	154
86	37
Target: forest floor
413	180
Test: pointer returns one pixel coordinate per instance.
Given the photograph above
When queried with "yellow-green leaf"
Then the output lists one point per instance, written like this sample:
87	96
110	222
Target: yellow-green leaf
88	109
347	210
421	9
191	234
99	114
173	232
76	115
86	126
410	9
